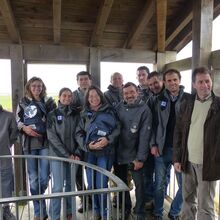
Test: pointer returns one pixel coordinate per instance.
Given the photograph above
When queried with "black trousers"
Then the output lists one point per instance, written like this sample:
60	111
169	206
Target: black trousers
138	176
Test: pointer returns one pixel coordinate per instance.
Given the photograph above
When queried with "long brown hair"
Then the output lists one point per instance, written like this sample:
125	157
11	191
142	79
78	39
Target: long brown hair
28	90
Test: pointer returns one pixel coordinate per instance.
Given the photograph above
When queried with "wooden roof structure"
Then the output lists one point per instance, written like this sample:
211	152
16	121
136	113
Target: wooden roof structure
156	25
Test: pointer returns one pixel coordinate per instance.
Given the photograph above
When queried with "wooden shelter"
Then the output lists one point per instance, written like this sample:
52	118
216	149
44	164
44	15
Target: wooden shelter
91	31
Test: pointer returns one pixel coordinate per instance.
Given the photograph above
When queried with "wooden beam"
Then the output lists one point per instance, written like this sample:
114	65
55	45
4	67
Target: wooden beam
101	21
161	24
181	65
9	19
127	55
56	21
142	21
179	23
185	35
202	32
94	65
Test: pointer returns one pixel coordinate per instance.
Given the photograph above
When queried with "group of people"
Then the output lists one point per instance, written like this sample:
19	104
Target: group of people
142	130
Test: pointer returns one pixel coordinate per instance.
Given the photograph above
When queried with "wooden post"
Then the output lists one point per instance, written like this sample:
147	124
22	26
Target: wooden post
17	81
202	32
94	65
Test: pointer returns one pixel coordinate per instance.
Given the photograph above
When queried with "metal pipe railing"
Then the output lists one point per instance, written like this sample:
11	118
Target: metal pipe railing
20	198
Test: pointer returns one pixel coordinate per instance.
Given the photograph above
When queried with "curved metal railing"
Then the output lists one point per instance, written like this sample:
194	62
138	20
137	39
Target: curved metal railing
21	199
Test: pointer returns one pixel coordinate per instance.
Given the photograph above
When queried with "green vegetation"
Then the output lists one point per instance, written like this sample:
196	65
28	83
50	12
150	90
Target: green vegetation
6	102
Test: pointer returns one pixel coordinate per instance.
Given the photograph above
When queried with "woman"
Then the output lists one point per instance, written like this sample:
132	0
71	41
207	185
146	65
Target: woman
96	134
61	127
31	118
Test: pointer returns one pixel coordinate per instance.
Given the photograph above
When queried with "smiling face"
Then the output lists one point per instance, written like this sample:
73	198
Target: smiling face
94	99
66	97
130	94
155	84
36	88
203	85
172	83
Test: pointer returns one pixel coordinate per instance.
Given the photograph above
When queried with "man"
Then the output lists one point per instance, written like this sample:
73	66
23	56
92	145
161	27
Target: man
142	74
196	148
133	144
114	93
167	108
8	135
84	81
156	86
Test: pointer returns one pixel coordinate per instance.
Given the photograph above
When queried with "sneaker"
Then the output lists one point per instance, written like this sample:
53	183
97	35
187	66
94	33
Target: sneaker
7	214
172	217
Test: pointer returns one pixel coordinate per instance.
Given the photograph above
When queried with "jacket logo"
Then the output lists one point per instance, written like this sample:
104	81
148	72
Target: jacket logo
30	111
163	105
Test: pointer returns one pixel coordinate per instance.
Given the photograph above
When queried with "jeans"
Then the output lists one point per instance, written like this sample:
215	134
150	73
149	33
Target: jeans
97	180
38	172
61	178
162	164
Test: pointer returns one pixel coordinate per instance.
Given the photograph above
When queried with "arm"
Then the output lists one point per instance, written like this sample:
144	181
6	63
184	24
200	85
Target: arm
144	135
13	130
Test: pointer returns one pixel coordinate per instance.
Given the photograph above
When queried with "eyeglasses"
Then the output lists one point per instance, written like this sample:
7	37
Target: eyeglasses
36	86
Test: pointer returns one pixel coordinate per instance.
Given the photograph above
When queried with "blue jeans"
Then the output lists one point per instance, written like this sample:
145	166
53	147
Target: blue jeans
61	177
96	181
162	165
38	172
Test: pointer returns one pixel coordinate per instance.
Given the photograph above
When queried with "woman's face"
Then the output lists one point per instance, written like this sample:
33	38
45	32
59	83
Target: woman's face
66	97
36	88
94	99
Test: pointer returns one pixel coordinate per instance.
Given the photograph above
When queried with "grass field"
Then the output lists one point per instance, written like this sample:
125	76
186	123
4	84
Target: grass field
6	102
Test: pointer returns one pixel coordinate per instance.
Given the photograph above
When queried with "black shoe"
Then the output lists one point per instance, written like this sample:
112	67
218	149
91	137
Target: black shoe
158	218
172	217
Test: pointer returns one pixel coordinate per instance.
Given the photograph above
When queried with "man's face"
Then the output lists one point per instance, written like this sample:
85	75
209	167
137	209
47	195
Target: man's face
155	84
172	82
203	85
142	77
117	80
84	82
130	94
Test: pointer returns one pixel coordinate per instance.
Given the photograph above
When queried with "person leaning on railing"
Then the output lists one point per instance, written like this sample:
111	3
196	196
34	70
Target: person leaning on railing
61	127
31	118
8	135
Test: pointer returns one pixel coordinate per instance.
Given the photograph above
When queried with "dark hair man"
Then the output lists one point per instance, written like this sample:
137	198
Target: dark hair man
142	74
84	80
133	144
167	108
196	148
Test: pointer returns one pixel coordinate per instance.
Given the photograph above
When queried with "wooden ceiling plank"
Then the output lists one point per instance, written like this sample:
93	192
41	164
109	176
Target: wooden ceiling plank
101	21
57	21
179	23
145	16
9	19
161	7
